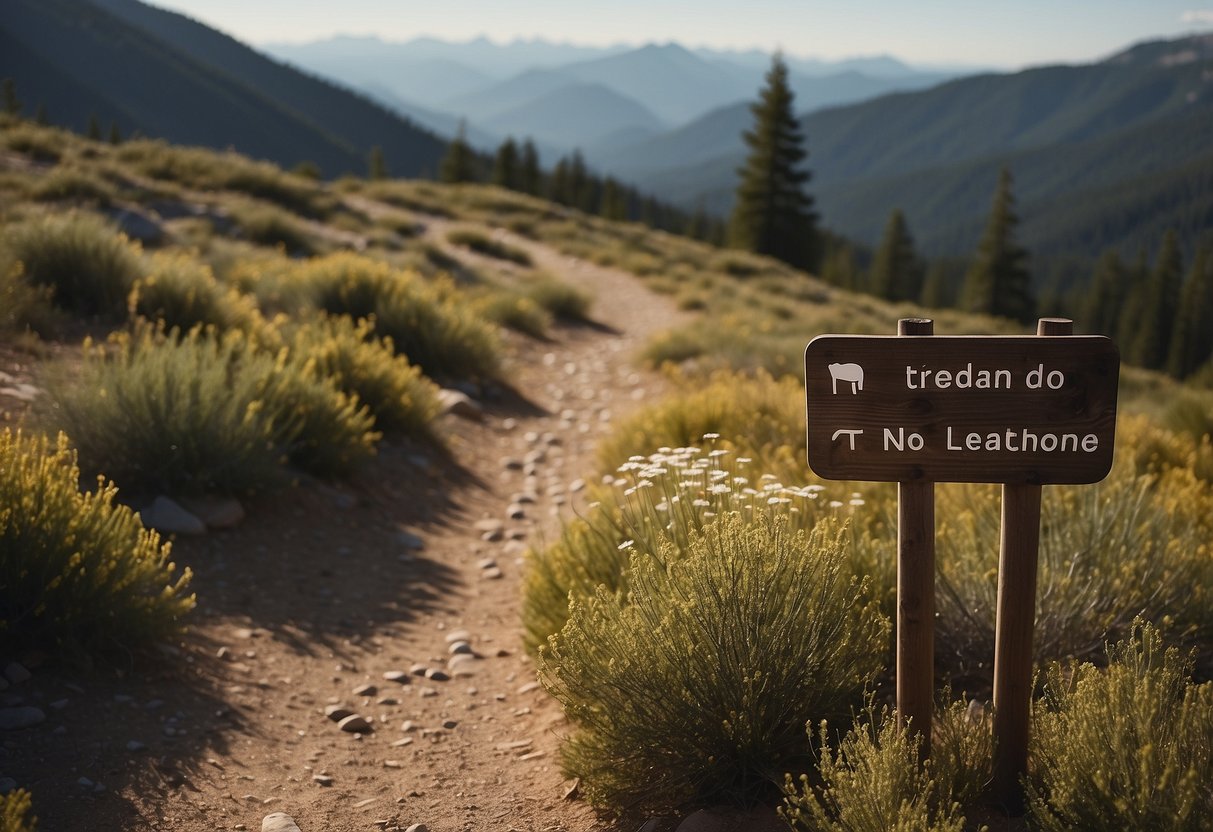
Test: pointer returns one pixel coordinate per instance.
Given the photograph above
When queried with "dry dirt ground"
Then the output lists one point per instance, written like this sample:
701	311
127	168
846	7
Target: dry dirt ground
322	591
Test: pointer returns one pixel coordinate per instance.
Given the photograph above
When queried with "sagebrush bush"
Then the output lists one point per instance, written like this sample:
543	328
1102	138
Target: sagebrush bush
400	397
203	413
562	299
668	496
72	183
269	225
694	687
15	812
1126	747
482	243
345	283
22	306
77	570
88	265
516	312
871	783
182	292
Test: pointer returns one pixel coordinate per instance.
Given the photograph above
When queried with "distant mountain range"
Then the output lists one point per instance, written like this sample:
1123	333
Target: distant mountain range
165	75
523	88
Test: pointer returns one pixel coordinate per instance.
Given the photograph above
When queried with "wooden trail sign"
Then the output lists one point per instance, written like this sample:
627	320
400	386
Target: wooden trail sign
1023	411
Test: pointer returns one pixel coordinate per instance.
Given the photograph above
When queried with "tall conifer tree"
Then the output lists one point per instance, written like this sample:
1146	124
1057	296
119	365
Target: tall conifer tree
773	213
1160	303
1105	298
376	164
998	282
12	104
530	178
505	165
1192	338
459	164
896	271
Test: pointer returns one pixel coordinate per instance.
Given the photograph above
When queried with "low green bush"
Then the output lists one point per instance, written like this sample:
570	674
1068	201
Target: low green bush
42	144
482	243
873	782
182	292
15	812
400	397
202	413
1126	747
87	264
268	225
77	570
516	312
694	687
69	183
562	299
24	307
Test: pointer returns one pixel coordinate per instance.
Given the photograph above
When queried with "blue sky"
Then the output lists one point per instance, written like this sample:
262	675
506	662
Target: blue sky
1010	33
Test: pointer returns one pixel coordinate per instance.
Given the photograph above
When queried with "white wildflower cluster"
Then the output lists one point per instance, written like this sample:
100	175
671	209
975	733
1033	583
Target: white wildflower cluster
679	489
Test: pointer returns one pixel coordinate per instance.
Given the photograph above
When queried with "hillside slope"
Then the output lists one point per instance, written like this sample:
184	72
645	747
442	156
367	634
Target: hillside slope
167	76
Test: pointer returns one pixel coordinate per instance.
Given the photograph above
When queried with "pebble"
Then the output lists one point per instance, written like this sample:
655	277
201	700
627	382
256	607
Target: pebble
337	712
458	635
577	485
424	692
493	574
165	515
528	687
216	512
355	724
279	822
457	647
16	673
436	675
13	719
323	779
393	764
398	676
365	690
387	700
450	724
523	498
418	827
418	669
511	463
410	541
487	563
460	404
135	745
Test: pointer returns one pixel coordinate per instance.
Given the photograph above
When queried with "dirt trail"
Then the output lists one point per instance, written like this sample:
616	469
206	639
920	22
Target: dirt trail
322	590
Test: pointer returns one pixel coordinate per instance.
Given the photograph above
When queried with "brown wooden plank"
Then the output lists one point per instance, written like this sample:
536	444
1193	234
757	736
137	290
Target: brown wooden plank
895	394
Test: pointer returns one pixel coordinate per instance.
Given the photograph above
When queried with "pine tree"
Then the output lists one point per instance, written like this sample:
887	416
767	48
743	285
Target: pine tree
773	214
614	201
1160	303
840	268
1129	320
942	283
505	165
115	136
581	185
459	163
93	131
1105	298
1192	338
559	189
896	271
376	165
530	180
998	282
12	104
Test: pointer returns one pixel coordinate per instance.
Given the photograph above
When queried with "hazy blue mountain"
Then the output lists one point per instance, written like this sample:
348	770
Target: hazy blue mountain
168	76
574	116
1088	146
358	61
503	96
440	123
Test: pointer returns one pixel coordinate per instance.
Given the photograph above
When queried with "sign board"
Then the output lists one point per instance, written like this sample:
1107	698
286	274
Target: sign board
1019	409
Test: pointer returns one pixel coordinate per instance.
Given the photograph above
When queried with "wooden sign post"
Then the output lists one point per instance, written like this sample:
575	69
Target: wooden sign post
1024	411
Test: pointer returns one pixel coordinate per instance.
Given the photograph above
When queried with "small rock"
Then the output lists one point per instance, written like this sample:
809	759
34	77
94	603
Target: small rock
489	524
365	690
523	498
494	536
398	676
458	635
13	719
216	512
493	574
450	724
577	485
16	673
164	515
436	675
457	647
223	653
279	822
511	463
393	764
536	456
460	404
85	783
418	669
528	687
410	541
487	563
418	827
322	779
387	700
426	692
514	511
355	724
337	712
135	745
570	791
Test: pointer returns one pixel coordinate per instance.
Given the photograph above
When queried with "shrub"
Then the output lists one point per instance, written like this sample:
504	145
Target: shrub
695	686
560	298
63	184
349	284
182	292
1129	747
202	413
481	243
438	333
268	225
22	306
77	569
349	355
666	497
872	783
39	143
15	810
516	312
87	264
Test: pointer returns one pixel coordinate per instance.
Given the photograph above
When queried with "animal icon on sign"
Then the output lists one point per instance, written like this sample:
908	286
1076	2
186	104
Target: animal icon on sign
852	373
